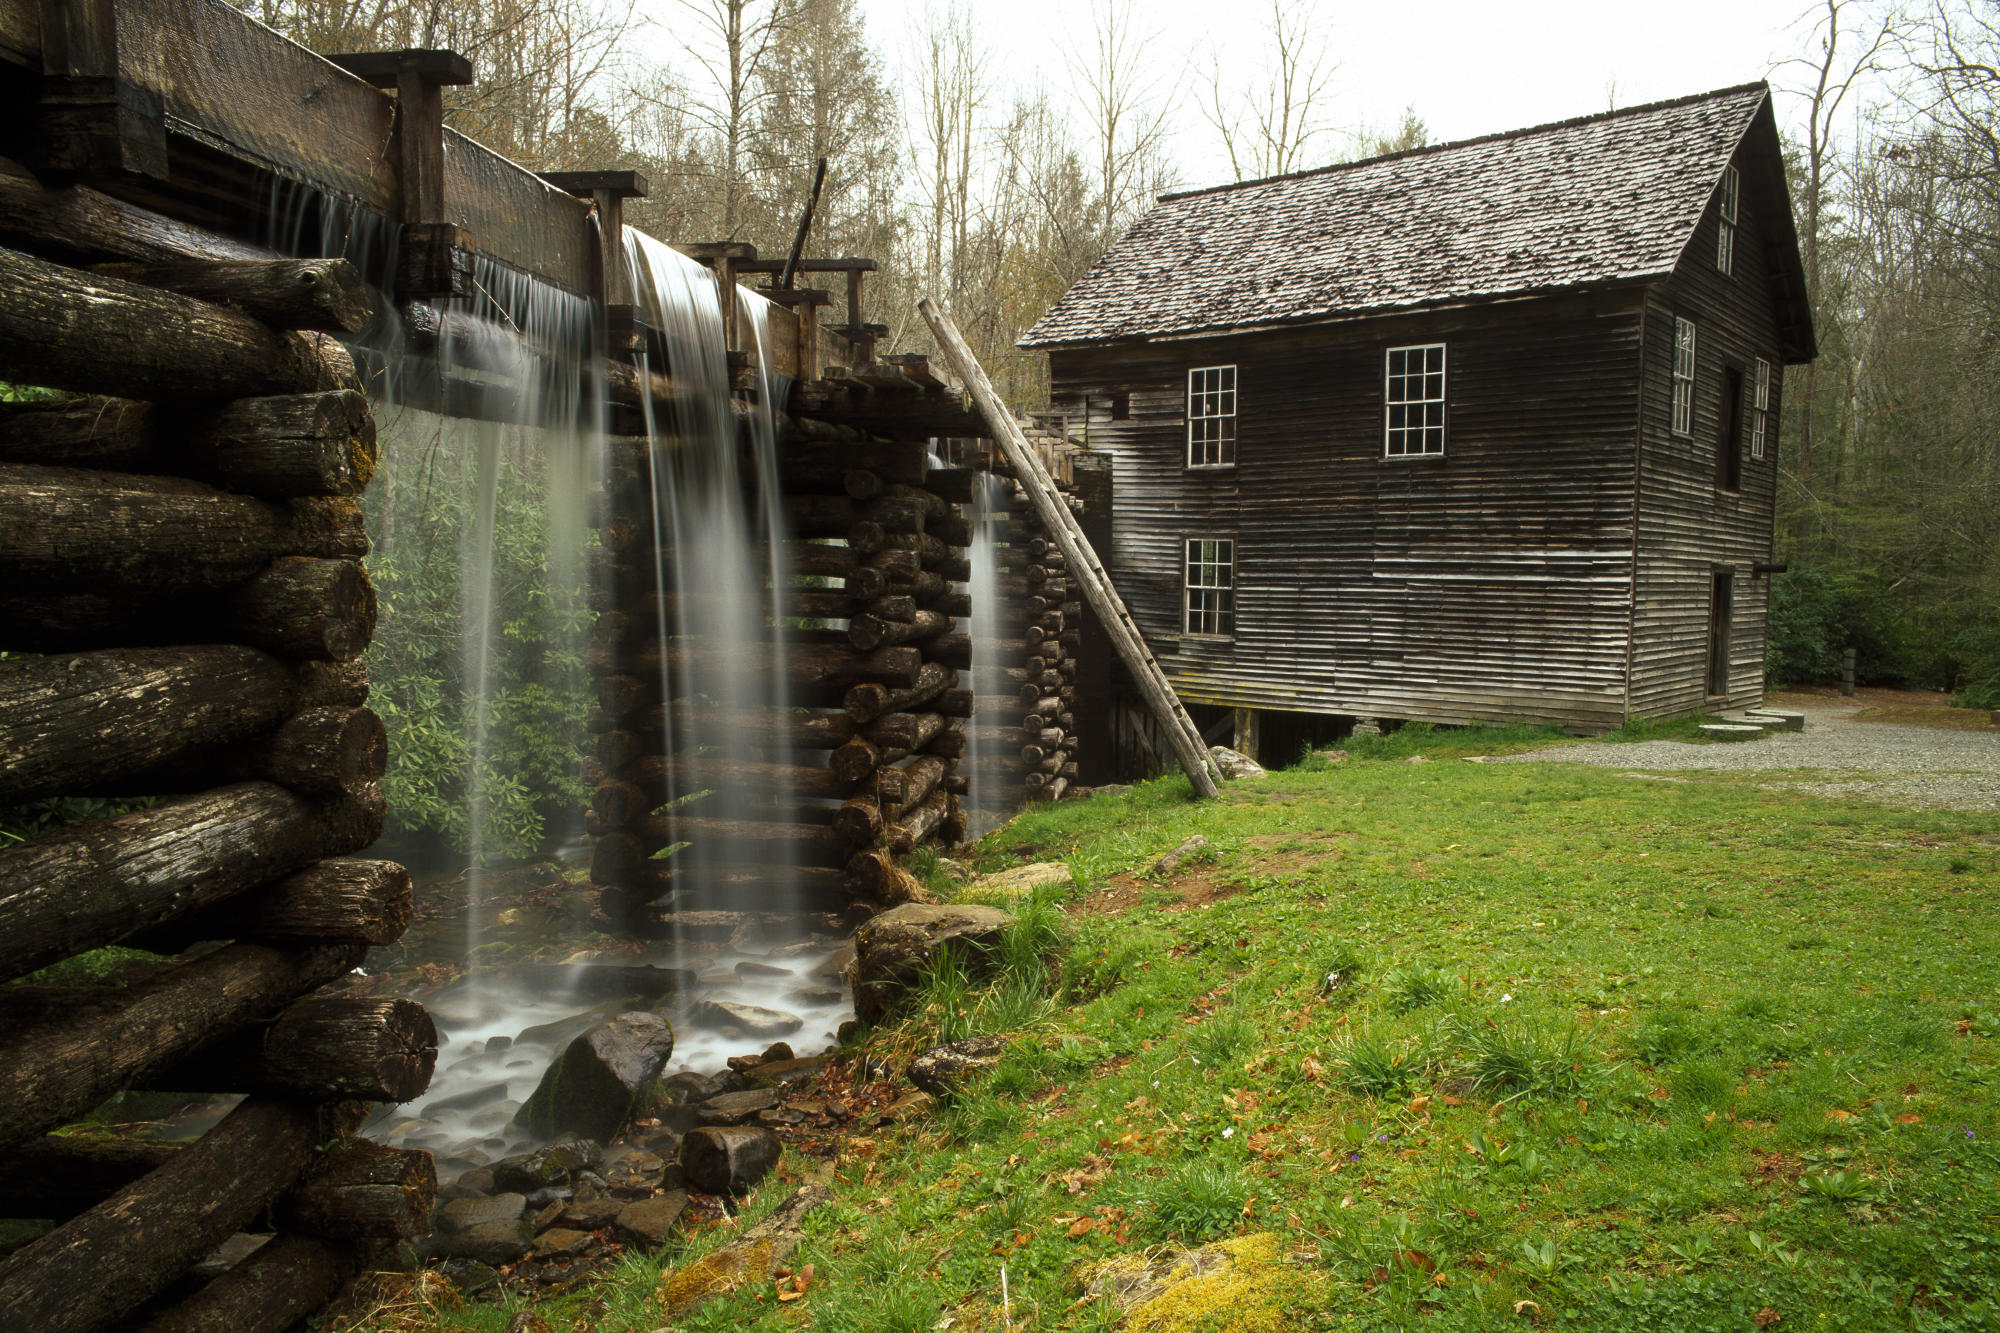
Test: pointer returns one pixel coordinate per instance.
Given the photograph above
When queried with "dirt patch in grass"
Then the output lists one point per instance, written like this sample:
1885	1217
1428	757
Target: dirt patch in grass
1121	893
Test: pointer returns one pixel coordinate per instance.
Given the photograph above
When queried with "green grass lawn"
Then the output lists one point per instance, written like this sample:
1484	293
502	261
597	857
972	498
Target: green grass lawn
1603	1052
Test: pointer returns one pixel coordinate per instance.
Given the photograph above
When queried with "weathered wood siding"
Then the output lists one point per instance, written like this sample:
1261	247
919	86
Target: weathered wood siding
1493	583
1688	524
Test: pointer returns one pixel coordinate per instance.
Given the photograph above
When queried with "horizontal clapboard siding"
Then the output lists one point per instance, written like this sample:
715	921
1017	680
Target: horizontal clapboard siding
1688	525
1494	583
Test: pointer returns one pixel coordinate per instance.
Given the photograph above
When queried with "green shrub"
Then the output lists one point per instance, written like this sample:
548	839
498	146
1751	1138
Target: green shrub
1978	653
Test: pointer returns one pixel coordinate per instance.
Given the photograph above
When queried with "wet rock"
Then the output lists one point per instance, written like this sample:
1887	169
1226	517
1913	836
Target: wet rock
549	1214
549	1194
465	1214
834	966
750	968
651	1221
816	997
893	949
691	1087
733	1108
1020	881
1235	764
728	1161
943	1070
635	1172
780	1050
470	1184
499	1043
493	1243
739	1063
747	1020
781	1117
1180	855
590	1209
472	1278
556	1164
563	1243
778	1073
591	1087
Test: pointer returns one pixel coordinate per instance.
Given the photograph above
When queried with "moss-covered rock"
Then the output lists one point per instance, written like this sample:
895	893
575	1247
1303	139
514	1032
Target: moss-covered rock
1246	1285
592	1086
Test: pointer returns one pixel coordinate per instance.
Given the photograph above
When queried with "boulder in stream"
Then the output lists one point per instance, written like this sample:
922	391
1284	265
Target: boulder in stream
591	1087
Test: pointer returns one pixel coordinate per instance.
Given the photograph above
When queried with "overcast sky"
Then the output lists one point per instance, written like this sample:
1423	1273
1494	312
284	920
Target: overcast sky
1467	68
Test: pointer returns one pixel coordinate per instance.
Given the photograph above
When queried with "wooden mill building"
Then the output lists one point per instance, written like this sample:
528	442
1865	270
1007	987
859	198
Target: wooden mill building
1482	431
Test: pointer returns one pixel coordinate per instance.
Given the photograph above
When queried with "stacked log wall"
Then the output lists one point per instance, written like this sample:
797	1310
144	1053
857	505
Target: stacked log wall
183	608
875	651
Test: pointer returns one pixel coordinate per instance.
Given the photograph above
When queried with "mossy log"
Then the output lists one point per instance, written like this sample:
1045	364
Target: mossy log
918	823
87	720
92	1271
339	1048
69	330
63	1050
283	1281
323	294
871	699
94	883
315	752
868	632
341	900
361	1190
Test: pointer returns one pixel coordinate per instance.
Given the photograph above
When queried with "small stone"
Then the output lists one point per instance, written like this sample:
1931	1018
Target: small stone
553	1165
465	1214
816	997
549	1194
748	1020
834	966
728	1161
779	1050
469	1184
562	1242
1417	759
634	1173
778	1073
781	1117
750	967
943	1070
496	1243
1021	881
471	1277
733	1108
652	1221
1180	855
549	1215
690	1087
591	1209
1235	764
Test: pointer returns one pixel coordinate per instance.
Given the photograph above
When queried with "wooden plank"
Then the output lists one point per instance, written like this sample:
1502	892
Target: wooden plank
516	216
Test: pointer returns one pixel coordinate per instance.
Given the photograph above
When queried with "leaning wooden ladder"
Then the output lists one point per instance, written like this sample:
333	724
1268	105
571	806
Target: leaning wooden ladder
1080	558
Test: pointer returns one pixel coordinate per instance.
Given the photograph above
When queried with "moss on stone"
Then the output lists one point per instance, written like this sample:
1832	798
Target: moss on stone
1246	1285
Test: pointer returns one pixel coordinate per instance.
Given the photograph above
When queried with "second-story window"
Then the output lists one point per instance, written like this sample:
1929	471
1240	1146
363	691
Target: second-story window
1413	395
1760	409
1211	416
1683	423
1725	233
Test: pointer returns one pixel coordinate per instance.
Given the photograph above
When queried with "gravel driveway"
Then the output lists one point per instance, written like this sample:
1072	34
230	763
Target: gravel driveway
1881	761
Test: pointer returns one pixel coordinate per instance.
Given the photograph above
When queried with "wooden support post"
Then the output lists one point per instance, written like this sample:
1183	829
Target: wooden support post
1082	563
625	330
432	258
93	118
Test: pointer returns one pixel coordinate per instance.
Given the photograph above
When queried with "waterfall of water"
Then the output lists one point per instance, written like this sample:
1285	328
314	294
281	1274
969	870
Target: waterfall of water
986	797
719	537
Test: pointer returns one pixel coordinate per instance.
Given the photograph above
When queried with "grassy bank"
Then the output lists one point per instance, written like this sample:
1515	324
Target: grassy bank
1453	1046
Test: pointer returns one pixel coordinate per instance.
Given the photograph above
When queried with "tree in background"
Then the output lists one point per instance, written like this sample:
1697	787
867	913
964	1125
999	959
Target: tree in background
1271	132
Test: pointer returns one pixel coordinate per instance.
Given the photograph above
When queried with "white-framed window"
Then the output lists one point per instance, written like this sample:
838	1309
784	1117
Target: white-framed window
1208	602
1683	423
1413	399
1725	234
1760	409
1211	416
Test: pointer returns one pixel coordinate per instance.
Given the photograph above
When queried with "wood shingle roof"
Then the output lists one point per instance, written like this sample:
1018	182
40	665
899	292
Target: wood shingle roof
1598	201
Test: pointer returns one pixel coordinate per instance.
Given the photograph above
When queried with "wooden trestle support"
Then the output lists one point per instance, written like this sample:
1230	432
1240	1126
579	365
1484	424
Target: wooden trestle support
181	553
